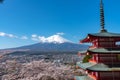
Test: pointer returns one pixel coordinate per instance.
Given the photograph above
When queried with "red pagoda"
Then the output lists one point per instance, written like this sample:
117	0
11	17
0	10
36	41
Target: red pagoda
103	56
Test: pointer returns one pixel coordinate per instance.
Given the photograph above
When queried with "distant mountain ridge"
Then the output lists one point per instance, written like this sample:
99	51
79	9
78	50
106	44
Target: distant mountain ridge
53	47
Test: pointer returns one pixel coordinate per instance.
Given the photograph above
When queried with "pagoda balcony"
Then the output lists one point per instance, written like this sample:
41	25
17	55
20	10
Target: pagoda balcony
107	61
93	47
104	46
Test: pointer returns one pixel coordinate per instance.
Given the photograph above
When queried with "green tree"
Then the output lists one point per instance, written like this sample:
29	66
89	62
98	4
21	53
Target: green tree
86	58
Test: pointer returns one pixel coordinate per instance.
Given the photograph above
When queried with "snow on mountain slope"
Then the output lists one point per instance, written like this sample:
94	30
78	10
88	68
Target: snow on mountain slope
53	39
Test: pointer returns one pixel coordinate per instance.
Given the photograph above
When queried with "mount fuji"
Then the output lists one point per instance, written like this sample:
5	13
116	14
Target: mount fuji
54	43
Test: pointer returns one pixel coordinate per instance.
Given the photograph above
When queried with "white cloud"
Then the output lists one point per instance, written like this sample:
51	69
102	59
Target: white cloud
24	37
2	34
60	33
34	35
11	36
57	38
35	39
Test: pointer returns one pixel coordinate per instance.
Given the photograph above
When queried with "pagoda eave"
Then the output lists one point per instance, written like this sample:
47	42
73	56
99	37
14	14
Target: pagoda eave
105	34
86	40
104	51
97	67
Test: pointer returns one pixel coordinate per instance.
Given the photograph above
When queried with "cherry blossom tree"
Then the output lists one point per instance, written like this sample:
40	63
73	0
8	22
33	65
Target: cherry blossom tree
36	70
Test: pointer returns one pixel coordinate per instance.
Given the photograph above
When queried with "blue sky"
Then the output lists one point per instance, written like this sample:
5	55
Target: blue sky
22	19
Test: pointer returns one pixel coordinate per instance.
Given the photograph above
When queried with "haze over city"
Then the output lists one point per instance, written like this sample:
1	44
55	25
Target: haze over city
26	22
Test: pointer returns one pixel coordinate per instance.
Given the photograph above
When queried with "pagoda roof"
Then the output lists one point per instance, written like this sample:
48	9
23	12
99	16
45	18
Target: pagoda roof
82	52
105	50
85	65
90	36
83	78
105	34
97	66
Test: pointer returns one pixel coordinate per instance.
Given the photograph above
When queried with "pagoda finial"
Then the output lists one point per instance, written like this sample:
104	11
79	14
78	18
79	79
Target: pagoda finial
102	23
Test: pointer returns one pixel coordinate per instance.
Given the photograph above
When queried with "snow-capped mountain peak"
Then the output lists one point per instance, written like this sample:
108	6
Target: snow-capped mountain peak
53	39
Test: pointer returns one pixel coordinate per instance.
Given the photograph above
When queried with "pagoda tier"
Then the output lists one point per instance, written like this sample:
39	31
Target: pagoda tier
99	71
102	60
103	39
105	55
